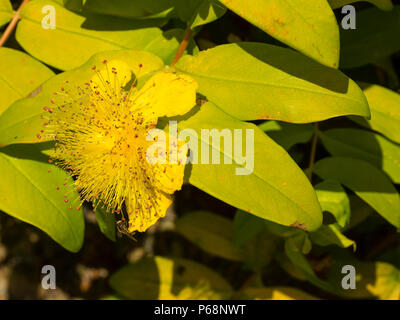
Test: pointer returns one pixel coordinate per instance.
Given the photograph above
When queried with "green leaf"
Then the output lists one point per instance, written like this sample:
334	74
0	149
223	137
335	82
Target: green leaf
6	12
22	122
260	251
112	297
381	4
263	81
245	227
328	235
364	145
71	4
385	111
166	279
210	232
194	12
199	12
36	192
307	25
280	191
374	279
208	11
76	38
375	37
19	76
294	250
125	8
387	283
275	293
300	242
368	182
333	198
177	34
251	235
287	134
106	222
282	231
359	212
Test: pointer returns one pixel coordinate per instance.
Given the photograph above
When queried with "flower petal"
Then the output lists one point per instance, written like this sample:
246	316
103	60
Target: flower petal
166	161
166	94
140	219
147	206
169	177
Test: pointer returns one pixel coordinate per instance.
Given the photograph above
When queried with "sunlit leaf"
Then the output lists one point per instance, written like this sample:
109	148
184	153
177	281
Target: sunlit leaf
364	145
6	12
328	235
112	297
106	222
263	81
76	38
280	191
41	194
169	279
333	198
307	25
19	76
22	122
385	111
199	12
368	182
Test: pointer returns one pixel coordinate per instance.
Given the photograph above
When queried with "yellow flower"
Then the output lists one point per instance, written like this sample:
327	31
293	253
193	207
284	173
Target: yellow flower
101	138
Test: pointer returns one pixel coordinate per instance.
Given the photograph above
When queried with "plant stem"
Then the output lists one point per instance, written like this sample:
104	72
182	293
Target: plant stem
183	45
313	151
12	24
